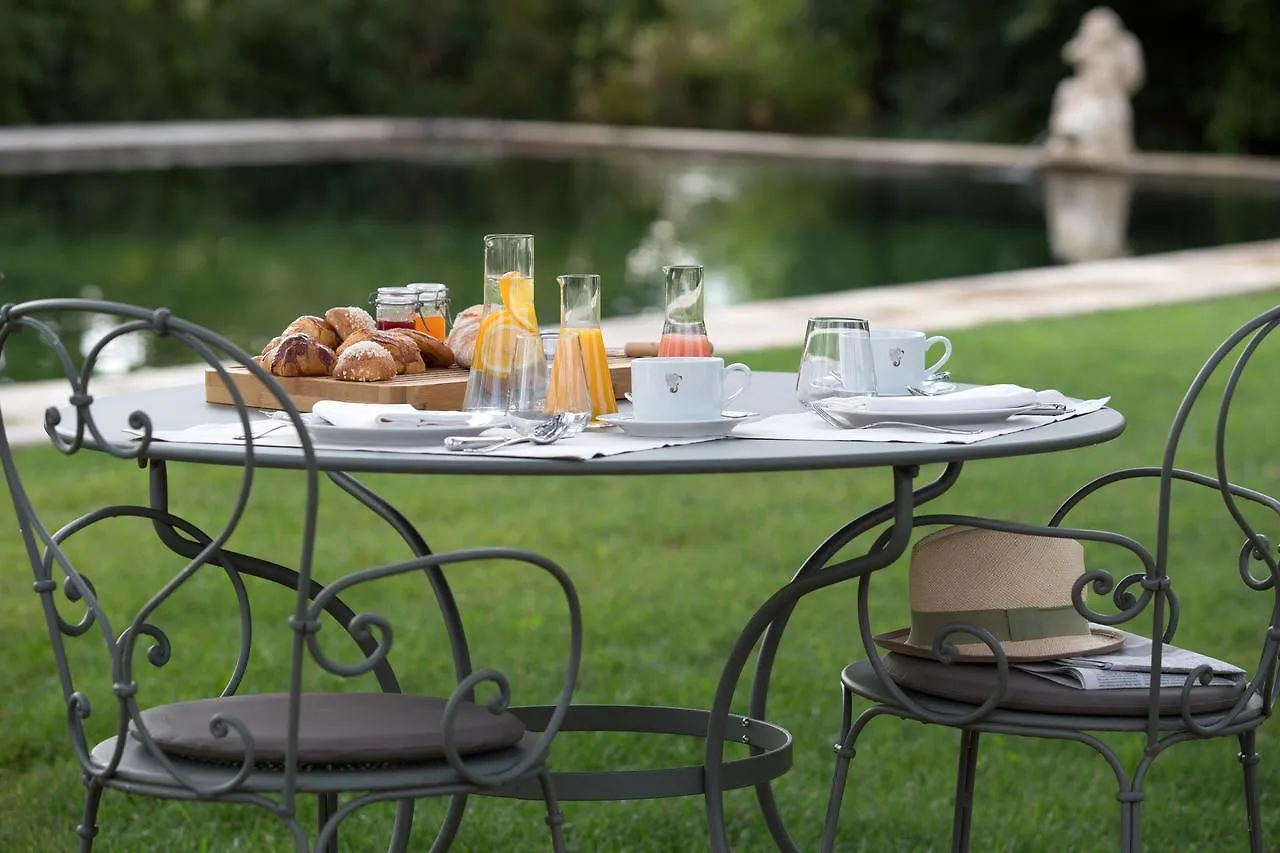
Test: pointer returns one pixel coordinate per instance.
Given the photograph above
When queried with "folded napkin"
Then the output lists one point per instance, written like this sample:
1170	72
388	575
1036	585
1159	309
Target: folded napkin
981	397
806	426
391	415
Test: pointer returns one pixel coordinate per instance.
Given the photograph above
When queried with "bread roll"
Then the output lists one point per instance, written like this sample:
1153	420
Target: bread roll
316	327
365	361
301	355
434	353
462	340
404	350
347	320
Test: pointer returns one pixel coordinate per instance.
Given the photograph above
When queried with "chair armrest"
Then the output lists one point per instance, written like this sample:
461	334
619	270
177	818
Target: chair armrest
363	622
1150	472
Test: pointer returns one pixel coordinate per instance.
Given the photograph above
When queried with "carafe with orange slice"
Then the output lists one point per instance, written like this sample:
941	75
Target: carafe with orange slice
580	313
508	311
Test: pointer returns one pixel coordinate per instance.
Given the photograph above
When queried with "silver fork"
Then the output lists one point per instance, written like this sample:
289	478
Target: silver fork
927	427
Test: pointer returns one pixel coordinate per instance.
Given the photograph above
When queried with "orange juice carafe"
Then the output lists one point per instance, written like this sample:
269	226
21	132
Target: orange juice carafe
580	313
508	311
684	332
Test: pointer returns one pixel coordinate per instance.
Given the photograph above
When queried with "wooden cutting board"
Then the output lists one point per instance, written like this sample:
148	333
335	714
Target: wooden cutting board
438	390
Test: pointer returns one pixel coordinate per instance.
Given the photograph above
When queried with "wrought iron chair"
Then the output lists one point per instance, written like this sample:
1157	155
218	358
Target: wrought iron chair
261	749
994	697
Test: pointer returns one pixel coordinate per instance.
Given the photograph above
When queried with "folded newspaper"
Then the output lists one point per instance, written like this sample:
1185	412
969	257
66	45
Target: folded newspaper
1130	666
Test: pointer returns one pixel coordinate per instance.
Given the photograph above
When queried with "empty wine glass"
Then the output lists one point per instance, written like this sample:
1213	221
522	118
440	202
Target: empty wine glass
548	378
837	362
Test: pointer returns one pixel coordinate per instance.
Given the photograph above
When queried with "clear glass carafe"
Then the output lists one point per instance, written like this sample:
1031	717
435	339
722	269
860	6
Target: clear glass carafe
684	331
508	311
580	313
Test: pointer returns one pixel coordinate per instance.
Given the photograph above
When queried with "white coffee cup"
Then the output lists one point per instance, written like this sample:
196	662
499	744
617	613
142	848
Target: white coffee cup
684	389
899	356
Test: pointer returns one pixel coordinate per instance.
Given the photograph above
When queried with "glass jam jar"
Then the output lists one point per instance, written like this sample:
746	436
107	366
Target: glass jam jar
394	307
433	311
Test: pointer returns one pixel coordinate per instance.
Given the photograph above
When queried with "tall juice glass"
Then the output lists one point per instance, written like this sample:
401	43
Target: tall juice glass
580	314
684	332
508	312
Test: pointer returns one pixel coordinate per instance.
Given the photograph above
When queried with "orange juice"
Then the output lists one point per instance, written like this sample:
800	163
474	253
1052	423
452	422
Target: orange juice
596	365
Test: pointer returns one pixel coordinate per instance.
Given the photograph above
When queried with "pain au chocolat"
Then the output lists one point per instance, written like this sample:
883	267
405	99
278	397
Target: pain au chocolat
300	355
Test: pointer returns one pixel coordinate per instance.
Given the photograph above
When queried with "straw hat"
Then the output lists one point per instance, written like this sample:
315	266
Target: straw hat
1015	585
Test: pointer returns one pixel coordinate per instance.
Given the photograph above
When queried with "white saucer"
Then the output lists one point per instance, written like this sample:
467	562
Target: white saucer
679	429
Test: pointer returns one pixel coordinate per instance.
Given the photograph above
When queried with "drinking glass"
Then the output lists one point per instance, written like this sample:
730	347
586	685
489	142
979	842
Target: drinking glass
837	361
547	378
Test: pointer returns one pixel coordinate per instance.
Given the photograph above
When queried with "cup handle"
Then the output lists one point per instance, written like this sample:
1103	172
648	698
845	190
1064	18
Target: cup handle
743	371
946	353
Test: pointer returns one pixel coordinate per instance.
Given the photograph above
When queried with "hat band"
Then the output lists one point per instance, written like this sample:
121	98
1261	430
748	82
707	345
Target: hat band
1013	624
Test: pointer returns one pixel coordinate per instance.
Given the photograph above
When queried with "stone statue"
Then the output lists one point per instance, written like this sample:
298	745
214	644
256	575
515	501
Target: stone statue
1091	120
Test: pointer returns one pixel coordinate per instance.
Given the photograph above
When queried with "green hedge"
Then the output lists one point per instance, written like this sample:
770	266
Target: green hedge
889	67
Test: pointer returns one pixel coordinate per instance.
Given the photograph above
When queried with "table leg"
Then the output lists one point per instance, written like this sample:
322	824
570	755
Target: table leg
769	622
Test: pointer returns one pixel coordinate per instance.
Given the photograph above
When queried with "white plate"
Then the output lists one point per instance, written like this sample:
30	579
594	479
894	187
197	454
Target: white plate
390	436
855	418
679	429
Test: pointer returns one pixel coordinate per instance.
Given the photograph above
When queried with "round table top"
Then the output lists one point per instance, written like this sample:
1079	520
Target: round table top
769	393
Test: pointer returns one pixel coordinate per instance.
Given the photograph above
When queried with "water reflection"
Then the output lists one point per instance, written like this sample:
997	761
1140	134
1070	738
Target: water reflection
246	250
121	355
1087	215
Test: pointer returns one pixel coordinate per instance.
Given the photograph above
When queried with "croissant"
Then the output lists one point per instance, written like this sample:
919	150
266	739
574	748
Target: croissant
264	357
462	340
347	320
301	355
435	353
365	361
316	327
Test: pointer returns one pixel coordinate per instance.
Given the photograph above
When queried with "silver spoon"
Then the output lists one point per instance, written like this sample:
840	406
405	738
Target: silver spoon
546	432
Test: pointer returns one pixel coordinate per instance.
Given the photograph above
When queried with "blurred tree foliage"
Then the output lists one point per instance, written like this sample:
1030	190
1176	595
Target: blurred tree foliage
920	68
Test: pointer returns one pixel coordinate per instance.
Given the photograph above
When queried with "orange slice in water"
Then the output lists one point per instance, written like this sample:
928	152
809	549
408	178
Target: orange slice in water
496	342
516	291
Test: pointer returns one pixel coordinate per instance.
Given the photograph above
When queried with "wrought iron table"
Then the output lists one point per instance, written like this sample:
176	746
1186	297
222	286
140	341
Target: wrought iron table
770	393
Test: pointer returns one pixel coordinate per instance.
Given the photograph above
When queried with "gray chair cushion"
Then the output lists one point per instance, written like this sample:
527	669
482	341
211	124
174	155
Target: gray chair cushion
975	682
335	728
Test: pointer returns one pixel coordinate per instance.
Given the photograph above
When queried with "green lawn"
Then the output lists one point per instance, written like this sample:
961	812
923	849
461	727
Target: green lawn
669	569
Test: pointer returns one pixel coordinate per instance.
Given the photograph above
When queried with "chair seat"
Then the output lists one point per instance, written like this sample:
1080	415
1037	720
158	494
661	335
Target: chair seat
139	769
1033	701
335	729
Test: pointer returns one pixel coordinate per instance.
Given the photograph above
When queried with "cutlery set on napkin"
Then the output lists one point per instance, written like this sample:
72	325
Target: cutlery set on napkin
960	417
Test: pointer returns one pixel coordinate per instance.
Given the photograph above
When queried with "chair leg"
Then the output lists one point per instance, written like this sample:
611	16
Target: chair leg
845	751
966	770
555	817
1131	821
327	804
88	827
1249	759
